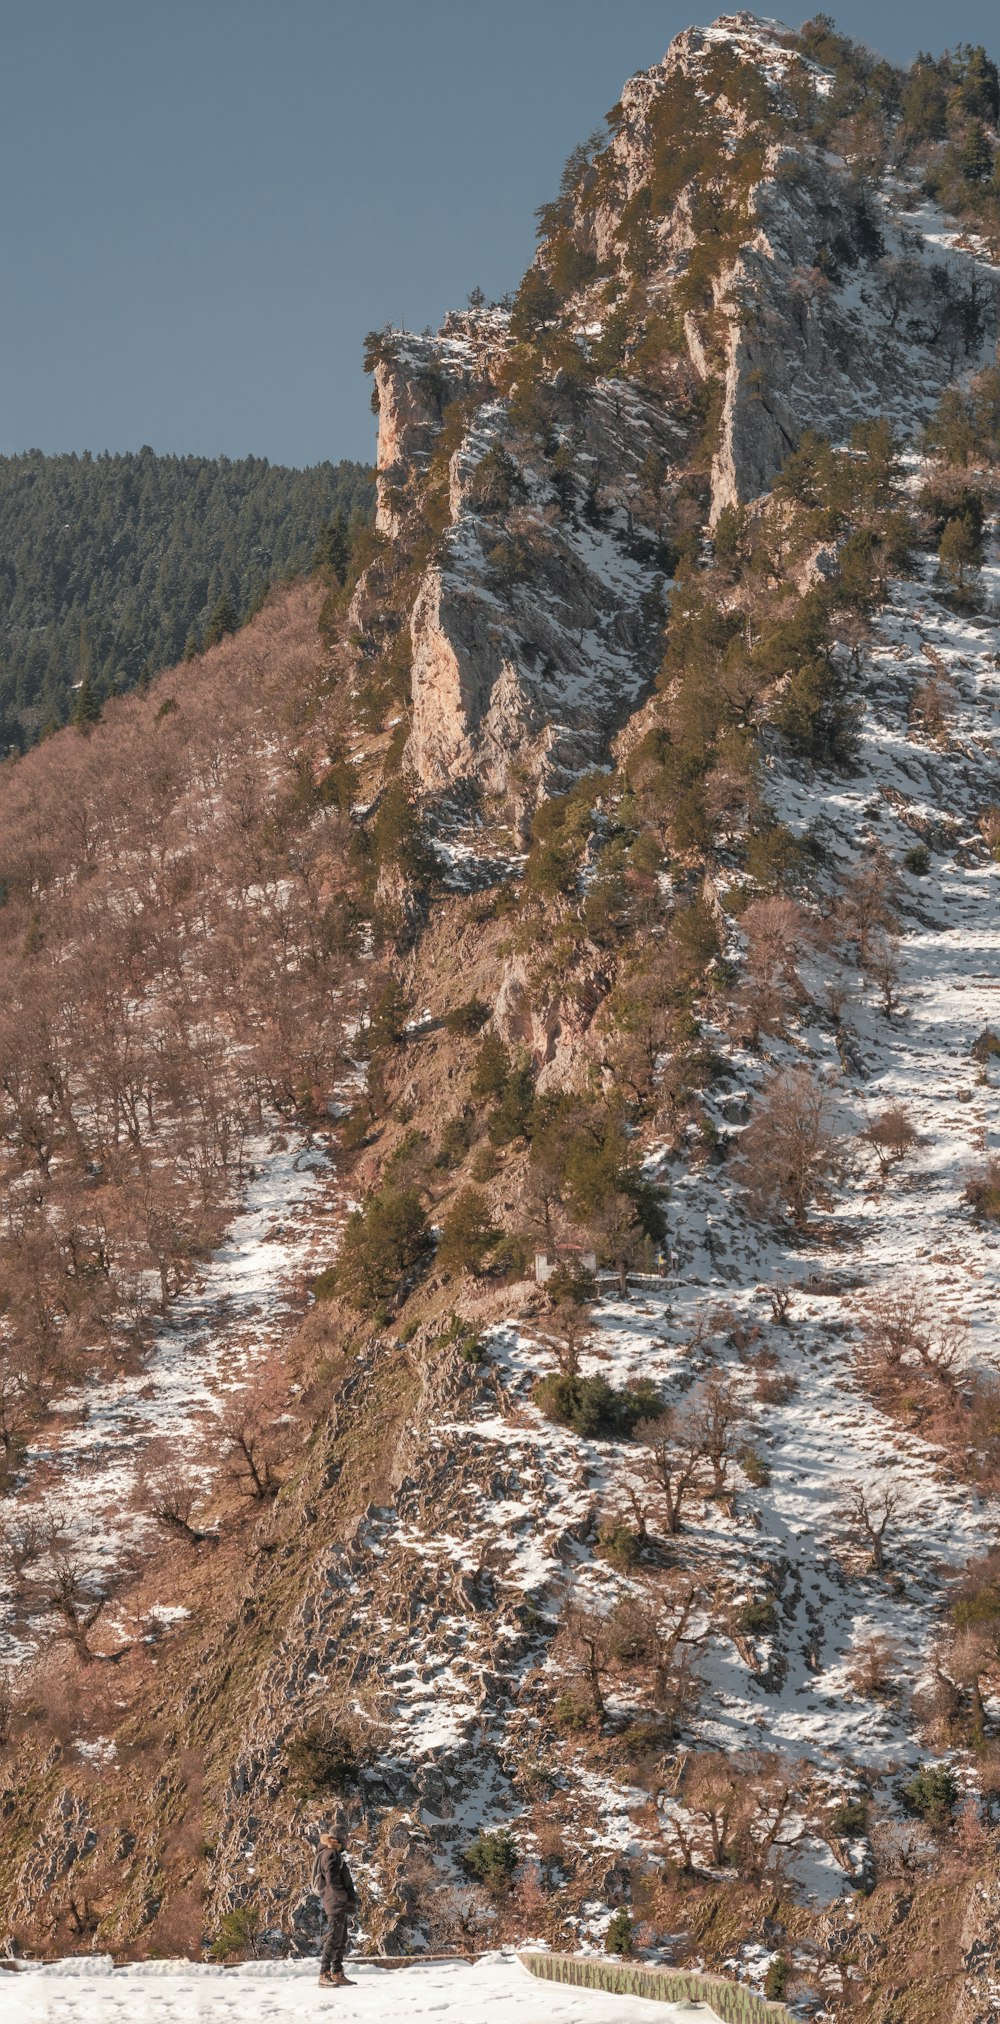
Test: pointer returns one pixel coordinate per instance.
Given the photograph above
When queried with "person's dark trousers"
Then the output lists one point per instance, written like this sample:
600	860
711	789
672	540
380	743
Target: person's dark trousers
334	1941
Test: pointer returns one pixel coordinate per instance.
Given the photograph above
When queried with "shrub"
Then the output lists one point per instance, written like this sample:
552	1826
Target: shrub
493	1858
509	563
356	1127
755	1469
758	1616
989	825
918	860
849	1818
322	1759
456	1138
646	1740
594	1408
891	1136
406	1159
237	1934
619	1545
467	1018
982	1190
618	1938
512	1256
987	1045
389	1015
573	1712
774	856
776	1979
931	1794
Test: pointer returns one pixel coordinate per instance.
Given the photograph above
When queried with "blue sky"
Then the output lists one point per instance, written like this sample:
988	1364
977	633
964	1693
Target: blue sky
208	202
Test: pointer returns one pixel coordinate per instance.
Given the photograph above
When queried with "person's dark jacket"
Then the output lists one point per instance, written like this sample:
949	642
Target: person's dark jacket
332	1881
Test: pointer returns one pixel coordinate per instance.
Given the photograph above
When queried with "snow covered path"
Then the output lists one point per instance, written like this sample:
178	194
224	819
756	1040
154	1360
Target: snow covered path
236	1310
88	1991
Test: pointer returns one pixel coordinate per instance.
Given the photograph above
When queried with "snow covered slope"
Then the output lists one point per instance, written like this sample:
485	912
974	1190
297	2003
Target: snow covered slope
102	1436
495	1524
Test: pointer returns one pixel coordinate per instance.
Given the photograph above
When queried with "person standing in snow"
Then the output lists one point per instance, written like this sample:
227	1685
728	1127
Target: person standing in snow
333	1883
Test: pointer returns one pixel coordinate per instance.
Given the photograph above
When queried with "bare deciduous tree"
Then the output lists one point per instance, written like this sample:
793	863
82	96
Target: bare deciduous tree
892	1324
584	1634
789	1153
720	1420
652	1632
247	1433
780	1297
670	1451
891	1137
902	1329
171	1495
874	1665
868	903
64	1586
871	1513
775	929
882	966
739	1810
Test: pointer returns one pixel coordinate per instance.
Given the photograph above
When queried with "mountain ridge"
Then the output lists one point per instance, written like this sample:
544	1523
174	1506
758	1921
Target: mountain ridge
604	871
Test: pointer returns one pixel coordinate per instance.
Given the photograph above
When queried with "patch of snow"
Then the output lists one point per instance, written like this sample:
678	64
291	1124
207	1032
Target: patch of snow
89	1990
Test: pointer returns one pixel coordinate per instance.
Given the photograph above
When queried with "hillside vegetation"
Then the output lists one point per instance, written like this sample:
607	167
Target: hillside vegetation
112	566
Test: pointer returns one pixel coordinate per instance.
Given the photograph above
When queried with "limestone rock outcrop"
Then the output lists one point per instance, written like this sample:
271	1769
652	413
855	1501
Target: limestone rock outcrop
535	628
844	302
537	623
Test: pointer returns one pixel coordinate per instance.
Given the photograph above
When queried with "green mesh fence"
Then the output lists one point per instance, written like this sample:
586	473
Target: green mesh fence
661	1985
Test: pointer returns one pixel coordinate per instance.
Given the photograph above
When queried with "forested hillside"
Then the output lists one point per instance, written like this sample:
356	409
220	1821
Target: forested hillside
112	567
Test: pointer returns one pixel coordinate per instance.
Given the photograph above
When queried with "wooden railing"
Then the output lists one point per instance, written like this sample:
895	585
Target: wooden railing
731	2002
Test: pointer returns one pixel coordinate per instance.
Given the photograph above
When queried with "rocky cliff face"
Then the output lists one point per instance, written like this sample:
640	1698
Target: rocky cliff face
536	622
807	347
839	300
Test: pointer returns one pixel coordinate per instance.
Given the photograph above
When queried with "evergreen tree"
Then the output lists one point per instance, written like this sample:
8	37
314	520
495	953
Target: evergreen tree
333	549
975	155
86	709
981	86
223	620
535	307
960	553
467	1234
381	1243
